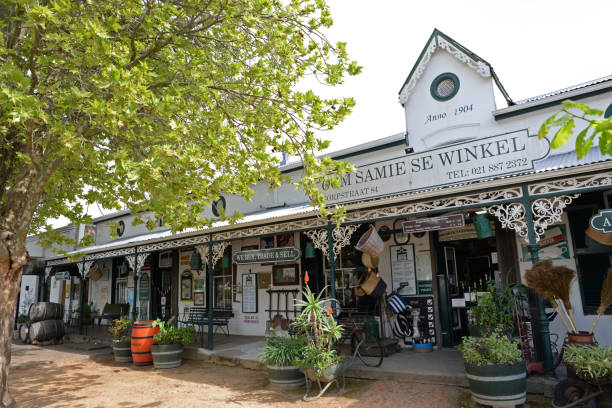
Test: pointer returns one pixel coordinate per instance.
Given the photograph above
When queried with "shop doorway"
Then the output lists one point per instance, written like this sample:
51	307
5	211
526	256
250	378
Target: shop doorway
466	265
161	287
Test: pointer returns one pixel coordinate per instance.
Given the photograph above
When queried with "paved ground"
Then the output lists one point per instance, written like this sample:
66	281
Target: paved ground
60	376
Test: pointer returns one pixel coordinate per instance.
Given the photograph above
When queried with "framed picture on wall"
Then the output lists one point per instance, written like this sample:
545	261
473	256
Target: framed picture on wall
198	299
283	275
284	240
187	285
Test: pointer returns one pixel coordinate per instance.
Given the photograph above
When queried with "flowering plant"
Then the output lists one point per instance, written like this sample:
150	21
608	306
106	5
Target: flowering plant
321	330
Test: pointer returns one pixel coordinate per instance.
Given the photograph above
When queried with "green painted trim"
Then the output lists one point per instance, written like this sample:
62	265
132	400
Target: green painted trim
550	104
433	88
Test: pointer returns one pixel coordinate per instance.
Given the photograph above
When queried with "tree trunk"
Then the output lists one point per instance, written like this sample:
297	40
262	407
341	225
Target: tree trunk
9	288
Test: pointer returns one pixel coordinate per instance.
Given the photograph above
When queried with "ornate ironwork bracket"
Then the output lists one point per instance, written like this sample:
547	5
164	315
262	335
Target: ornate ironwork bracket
546	212
140	258
218	250
342	237
84	267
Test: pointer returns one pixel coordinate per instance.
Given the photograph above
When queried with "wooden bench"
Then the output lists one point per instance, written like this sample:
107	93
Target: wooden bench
198	316
111	312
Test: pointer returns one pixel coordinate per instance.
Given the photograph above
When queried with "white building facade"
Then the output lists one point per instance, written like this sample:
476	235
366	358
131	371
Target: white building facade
460	154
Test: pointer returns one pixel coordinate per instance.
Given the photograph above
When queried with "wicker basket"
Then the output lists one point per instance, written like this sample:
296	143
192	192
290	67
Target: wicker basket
371	243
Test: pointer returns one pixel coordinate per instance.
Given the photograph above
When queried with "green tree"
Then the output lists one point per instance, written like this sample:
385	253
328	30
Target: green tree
156	105
597	130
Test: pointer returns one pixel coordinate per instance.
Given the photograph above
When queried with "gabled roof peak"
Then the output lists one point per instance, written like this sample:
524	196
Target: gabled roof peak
439	40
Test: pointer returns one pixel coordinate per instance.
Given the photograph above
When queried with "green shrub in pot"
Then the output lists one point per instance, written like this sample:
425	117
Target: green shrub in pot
494	309
278	355
120	329
590	362
167	351
495	369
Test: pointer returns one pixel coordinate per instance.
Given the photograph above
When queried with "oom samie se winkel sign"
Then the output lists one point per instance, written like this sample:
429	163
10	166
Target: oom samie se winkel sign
482	158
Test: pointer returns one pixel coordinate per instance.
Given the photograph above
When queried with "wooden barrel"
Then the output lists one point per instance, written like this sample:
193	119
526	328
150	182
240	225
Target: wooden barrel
498	385
286	377
142	338
46	330
122	351
40	311
167	355
24	330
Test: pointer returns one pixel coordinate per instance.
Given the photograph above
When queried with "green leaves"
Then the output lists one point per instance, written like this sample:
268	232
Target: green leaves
163	107
596	128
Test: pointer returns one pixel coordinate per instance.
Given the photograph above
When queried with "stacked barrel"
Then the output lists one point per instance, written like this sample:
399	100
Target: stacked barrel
46	323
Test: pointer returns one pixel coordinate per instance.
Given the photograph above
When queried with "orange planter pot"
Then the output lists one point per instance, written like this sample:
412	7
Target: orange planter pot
142	338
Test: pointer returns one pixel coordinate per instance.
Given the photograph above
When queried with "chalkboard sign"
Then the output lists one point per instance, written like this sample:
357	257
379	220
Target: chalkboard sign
144	287
427	325
249	293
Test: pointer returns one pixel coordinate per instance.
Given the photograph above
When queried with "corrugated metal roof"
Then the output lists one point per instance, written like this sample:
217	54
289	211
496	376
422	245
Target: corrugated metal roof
570	159
267	215
565	90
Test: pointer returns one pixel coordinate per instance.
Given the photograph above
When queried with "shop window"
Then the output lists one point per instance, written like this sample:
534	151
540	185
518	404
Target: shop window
222	282
592	262
121	291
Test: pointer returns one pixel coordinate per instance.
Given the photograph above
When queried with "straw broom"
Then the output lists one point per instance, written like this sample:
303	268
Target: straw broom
537	278
560	281
606	298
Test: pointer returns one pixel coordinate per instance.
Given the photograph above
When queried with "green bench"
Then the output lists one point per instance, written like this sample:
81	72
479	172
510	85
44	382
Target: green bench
198	316
111	312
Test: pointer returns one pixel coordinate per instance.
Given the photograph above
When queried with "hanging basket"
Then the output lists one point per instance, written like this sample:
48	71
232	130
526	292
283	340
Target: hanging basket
371	243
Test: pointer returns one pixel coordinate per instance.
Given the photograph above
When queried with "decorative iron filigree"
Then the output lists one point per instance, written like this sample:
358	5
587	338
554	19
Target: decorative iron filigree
548	211
341	235
271	229
174	243
110	254
218	250
445	203
511	216
136	263
572	183
84	267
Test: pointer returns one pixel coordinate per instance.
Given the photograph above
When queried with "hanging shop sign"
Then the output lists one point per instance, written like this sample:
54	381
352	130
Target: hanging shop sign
62	275
602	221
484	158
284	254
434	223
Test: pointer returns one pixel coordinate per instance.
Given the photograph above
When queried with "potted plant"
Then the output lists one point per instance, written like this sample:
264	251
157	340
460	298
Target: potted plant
494	310
167	351
120	330
495	369
318	360
592	365
278	356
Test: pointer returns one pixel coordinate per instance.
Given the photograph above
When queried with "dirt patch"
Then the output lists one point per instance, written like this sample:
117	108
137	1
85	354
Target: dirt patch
101	382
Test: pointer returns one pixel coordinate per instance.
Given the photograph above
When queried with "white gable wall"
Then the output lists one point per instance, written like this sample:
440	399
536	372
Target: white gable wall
466	116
